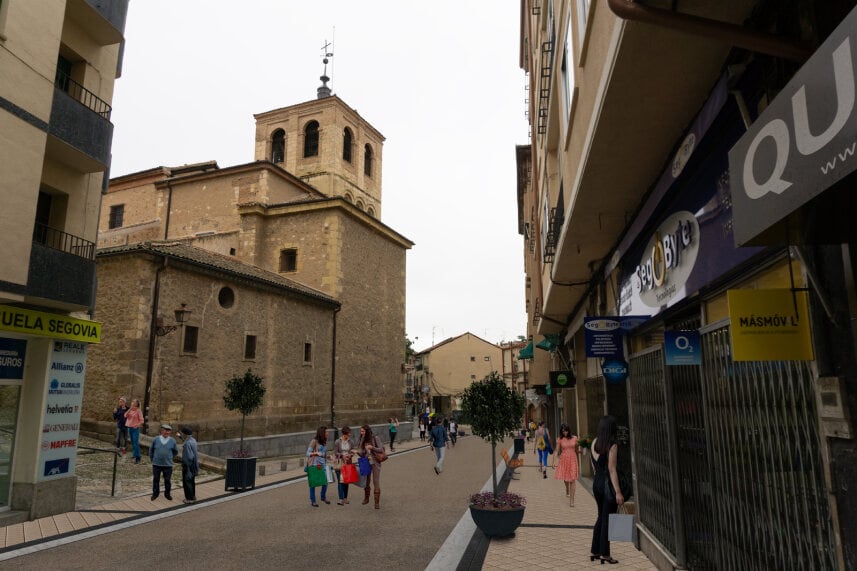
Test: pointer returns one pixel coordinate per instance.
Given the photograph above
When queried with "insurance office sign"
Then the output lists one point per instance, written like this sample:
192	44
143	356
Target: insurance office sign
803	143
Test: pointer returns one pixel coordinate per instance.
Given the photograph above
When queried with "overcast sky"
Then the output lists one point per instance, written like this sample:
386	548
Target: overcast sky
440	80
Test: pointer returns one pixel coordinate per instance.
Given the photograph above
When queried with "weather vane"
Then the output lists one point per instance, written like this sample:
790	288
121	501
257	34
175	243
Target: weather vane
327	49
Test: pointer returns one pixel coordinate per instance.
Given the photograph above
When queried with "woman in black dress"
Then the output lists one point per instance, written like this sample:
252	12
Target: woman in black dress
606	481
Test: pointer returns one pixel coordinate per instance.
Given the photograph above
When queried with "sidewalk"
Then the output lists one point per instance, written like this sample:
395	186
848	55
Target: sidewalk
554	535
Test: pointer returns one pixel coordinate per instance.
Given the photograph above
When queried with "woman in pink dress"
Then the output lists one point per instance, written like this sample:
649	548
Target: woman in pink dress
567	450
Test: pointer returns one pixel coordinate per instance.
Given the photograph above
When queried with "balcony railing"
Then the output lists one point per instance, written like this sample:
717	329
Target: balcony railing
82	95
59	240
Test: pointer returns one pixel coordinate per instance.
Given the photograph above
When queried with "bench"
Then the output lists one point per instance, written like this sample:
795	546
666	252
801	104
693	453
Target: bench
511	463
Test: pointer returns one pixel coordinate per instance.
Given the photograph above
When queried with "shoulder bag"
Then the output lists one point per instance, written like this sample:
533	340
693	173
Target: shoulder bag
379	456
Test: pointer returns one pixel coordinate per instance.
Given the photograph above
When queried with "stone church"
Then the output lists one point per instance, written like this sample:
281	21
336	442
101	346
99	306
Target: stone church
282	266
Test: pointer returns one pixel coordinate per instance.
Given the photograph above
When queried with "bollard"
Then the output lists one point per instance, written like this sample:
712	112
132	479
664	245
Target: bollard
283	466
261	469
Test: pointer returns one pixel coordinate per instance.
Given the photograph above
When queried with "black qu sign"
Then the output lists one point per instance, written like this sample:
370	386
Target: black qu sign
803	143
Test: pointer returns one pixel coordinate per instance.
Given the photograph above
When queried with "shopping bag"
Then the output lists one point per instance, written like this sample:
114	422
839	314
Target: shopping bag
315	476
328	471
349	474
363	466
622	527
361	481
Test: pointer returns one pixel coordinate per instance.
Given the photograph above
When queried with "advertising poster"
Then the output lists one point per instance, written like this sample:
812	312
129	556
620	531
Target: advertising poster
62	410
769	325
604	335
12	354
682	348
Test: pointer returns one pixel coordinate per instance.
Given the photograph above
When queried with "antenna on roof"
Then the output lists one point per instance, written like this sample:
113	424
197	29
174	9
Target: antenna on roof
327	48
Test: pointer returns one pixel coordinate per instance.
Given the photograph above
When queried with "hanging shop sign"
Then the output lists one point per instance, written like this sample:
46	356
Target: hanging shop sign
61	423
12	355
563	379
682	348
43	324
769	325
803	143
615	371
603	335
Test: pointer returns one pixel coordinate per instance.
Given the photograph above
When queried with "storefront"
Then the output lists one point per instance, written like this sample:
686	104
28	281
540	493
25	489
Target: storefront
42	371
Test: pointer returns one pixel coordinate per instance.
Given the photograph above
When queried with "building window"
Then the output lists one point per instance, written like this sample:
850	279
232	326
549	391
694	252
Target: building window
582	17
226	297
472	359
367	160
278	146
191	336
307	353
311	139
346	144
117	216
231	251
249	346
472	377
289	260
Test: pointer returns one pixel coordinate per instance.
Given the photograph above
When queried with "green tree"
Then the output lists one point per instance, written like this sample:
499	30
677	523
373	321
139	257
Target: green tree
244	394
409	349
494	411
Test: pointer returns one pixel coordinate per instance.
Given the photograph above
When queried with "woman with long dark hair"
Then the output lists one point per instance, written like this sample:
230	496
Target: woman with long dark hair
605	487
316	456
368	445
342	449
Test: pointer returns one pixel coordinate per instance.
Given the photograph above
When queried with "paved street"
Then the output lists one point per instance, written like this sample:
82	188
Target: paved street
277	528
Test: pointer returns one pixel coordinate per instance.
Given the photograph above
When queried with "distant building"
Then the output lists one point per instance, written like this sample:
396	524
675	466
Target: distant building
58	64
286	268
443	371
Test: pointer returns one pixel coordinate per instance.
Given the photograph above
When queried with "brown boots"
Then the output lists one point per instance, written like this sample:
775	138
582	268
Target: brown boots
377	499
367	490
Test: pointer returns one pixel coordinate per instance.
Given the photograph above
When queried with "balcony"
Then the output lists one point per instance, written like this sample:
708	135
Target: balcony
80	127
62	268
102	20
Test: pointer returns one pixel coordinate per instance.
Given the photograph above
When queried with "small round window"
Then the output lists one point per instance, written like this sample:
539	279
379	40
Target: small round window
226	297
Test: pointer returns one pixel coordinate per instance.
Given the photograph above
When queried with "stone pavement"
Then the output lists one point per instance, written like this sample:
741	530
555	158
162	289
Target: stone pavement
552	536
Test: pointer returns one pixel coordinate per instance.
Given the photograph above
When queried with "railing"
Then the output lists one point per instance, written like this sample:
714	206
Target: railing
59	240
554	228
82	95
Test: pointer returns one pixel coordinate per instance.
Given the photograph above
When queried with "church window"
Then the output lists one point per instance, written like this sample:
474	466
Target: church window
289	260
311	139
307	353
347	140
191	336
117	215
278	146
367	160
226	297
250	347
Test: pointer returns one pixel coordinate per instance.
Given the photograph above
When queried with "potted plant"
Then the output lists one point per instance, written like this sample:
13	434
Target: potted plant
243	394
494	411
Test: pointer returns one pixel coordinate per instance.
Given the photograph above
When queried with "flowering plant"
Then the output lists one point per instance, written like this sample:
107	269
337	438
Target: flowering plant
504	501
585	442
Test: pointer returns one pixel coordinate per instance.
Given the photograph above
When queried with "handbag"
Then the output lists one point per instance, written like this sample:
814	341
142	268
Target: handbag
328	471
380	456
315	476
349	474
362	481
622	526
363	466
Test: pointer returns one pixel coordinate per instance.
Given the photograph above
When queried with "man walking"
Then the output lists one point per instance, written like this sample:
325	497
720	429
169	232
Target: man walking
190	464
453	432
162	450
438	439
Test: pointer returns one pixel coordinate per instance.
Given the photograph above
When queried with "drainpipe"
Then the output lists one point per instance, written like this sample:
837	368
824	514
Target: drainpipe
169	209
153	327
737	36
333	378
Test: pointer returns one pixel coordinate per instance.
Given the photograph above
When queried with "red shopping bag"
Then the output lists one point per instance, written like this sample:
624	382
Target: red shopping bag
349	474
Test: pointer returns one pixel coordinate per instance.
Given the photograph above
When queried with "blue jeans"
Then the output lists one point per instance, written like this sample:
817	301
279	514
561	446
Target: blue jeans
323	493
121	435
135	442
439	452
543	458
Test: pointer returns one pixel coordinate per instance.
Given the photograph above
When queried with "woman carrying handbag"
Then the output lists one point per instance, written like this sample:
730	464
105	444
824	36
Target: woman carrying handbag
315	466
605	487
370	447
343	449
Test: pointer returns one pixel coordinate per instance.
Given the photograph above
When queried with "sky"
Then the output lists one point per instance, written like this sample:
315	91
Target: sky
440	80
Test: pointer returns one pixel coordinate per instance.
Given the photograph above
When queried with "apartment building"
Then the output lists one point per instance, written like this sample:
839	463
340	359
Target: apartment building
58	64
685	203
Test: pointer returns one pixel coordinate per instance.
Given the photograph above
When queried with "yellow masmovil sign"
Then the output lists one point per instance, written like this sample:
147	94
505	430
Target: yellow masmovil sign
51	325
769	325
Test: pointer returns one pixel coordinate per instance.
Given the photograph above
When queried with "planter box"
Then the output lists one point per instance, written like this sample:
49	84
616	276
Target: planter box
240	473
497	523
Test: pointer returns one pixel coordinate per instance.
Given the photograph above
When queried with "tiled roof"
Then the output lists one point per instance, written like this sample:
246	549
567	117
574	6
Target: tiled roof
224	264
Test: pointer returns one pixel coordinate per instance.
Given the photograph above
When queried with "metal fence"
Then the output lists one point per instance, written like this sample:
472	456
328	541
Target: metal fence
728	458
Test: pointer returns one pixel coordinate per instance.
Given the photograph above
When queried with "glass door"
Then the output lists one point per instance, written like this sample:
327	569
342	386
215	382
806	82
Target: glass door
8	422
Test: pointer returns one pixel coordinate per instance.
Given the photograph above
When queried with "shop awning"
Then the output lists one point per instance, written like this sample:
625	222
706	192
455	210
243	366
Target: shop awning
526	352
549	343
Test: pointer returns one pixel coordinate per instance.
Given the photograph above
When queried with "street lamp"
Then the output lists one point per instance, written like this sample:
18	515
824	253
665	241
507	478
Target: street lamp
182	316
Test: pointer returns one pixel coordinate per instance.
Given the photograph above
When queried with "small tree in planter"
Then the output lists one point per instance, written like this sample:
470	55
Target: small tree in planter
244	394
494	411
